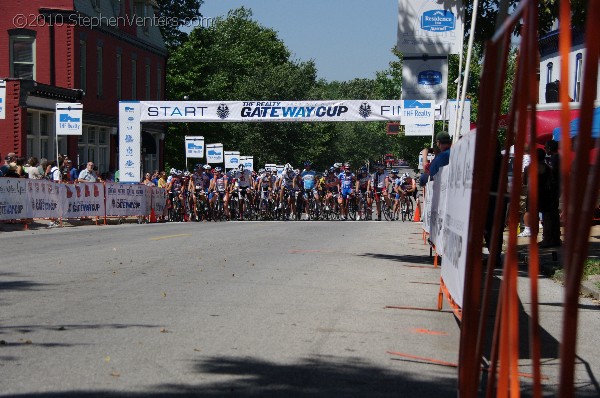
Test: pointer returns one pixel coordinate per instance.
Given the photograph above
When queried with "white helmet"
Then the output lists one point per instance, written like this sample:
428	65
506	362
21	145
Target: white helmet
186	174
173	171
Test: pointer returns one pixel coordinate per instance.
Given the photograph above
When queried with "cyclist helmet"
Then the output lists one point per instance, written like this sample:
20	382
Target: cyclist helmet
207	167
186	173
307	163
218	169
346	166
173	171
395	172
405	175
260	171
379	166
288	168
363	170
240	168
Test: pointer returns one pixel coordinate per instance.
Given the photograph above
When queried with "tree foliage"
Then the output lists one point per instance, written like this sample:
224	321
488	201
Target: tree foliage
182	11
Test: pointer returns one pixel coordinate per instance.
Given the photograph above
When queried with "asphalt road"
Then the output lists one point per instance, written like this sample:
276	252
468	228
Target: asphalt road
278	309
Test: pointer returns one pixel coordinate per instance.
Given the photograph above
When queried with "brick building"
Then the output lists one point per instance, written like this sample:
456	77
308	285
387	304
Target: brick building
92	51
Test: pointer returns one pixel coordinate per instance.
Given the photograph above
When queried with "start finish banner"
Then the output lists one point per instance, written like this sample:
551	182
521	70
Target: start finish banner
271	111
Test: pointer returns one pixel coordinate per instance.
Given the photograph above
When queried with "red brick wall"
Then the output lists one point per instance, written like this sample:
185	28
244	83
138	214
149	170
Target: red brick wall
13	137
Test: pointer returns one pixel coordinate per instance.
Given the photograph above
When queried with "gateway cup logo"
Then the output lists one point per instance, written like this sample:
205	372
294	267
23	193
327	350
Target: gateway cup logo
364	110
223	111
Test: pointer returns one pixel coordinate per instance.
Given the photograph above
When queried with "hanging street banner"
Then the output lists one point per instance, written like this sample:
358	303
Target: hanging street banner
417	112
465	126
270	111
194	147
247	161
456	216
232	159
2	99
69	118
130	142
424	80
430	26
214	153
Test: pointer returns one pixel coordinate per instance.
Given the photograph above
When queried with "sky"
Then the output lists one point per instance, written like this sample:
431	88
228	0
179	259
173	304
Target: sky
347	39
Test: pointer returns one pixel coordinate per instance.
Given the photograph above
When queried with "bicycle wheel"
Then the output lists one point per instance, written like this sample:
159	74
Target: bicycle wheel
386	210
409	210
352	208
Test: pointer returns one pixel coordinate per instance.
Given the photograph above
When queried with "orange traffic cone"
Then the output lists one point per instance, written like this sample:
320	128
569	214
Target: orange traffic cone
152	216
417	217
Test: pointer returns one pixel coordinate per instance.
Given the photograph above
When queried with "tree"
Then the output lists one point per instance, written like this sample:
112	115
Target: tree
181	11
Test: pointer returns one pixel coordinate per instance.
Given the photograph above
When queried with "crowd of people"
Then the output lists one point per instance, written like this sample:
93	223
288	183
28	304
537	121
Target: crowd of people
61	170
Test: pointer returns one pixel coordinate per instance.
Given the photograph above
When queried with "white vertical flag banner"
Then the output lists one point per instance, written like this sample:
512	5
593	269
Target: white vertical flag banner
69	119
2	99
465	126
214	153
232	159
130	142
430	26
424	79
194	147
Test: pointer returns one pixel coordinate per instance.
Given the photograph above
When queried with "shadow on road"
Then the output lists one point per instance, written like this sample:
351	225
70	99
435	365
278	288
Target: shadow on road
412	259
314	377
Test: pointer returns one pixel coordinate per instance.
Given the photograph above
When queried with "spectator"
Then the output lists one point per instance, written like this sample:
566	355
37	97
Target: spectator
54	172
12	171
443	141
42	167
525	231
21	161
65	168
551	217
34	171
88	174
155	176
162	180
73	172
9	158
148	180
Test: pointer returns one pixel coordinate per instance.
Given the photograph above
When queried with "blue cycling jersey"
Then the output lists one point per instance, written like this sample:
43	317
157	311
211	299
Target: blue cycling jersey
346	180
309	178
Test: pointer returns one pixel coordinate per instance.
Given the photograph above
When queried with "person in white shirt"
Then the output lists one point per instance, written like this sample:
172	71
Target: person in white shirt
88	174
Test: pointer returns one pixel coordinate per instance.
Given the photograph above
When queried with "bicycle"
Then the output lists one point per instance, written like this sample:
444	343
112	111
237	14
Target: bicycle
406	208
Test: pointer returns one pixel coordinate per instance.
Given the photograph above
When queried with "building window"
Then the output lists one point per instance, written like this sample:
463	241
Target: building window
159	84
133	79
82	65
119	80
148	82
549	72
93	147
22	57
44	124
99	72
578	76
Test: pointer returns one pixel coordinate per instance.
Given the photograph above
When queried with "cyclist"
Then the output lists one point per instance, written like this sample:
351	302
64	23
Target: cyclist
174	188
264	185
362	185
393	190
378	186
309	182
219	186
347	182
287	185
243	183
407	187
332	187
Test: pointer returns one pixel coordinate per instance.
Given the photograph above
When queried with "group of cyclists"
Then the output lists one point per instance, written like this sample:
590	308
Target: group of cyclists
337	193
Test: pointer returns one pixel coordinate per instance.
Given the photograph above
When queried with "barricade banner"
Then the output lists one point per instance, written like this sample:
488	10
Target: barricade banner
159	200
148	199
438	209
13	199
456	219
427	199
83	200
45	198
126	200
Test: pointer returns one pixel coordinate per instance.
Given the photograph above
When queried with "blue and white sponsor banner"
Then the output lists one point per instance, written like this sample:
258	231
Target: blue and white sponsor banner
232	159
430	26
214	153
126	200
247	161
83	200
194	147
456	219
451	112
427	199
130	142
424	80
270	166
45	198
416	112
2	99
418	129
270	111
13	199
69	119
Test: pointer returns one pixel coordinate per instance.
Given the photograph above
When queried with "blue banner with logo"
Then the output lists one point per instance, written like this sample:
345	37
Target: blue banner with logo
130	142
69	119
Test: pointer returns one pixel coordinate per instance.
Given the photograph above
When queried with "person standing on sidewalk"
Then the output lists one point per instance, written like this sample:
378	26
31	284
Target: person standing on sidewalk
88	174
